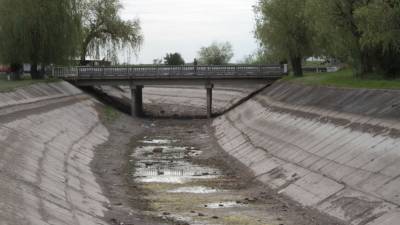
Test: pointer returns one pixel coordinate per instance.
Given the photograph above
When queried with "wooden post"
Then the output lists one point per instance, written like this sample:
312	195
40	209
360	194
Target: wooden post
136	100
209	88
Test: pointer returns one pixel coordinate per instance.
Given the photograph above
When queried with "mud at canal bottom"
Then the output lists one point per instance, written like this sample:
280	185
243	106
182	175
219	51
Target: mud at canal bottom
189	181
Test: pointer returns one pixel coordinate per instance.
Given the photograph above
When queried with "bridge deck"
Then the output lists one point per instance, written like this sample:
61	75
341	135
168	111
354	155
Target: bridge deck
167	74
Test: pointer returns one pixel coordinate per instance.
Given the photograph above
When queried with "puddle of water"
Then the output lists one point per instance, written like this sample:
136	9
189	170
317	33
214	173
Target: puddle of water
189	220
194	190
158	141
222	205
181	190
168	164
195	153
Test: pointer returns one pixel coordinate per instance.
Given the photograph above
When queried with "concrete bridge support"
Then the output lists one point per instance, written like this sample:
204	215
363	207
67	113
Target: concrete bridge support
137	100
209	88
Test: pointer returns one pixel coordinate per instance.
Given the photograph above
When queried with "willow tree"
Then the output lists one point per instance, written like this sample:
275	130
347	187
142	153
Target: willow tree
379	21
339	32
39	32
283	29
103	29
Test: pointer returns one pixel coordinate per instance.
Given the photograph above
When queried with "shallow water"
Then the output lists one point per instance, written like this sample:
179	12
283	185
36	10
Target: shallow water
157	141
194	190
221	205
183	190
166	163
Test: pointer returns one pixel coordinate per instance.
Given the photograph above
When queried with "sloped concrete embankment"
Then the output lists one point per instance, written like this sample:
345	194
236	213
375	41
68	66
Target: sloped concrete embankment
335	150
48	133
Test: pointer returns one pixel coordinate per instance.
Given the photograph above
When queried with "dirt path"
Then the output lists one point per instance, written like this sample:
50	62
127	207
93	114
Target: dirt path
173	172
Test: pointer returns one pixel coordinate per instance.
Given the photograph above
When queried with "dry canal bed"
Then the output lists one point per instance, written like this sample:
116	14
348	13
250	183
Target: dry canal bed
173	172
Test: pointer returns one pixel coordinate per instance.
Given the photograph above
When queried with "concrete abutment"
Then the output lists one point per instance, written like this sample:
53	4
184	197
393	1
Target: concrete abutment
137	100
209	88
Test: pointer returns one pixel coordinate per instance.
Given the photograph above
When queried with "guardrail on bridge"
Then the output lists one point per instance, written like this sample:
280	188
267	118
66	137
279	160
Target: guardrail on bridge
161	71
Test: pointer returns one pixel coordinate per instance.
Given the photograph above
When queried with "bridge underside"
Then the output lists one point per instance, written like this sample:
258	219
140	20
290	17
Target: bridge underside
137	86
139	76
169	82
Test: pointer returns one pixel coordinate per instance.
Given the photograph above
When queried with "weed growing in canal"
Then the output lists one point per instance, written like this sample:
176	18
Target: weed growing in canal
109	114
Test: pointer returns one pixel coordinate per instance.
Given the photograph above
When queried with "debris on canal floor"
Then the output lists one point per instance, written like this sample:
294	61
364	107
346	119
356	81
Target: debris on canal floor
187	181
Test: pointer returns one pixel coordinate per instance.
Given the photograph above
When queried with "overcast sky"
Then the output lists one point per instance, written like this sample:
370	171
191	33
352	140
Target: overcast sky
186	25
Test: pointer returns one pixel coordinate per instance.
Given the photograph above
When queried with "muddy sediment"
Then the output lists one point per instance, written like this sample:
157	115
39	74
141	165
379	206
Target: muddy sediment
173	172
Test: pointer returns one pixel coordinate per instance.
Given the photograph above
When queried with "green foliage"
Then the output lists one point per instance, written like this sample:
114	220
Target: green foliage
109	114
379	21
173	59
363	33
37	31
103	29
216	54
345	78
284	30
260	57
338	31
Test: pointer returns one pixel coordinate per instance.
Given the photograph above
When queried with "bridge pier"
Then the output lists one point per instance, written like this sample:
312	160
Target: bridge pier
209	88
137	100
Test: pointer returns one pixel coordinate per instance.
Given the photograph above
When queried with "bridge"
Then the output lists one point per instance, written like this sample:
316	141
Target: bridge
138	76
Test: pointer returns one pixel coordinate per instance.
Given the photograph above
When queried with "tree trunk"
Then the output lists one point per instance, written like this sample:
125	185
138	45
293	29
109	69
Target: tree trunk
83	58
35	74
15	71
43	70
84	49
366	62
297	67
362	63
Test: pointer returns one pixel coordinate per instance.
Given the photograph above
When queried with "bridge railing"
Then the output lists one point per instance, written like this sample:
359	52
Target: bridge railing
162	71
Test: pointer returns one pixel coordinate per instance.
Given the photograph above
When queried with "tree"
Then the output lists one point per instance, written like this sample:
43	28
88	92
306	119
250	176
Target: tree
283	28
259	57
379	21
216	54
339	32
104	29
174	59
37	32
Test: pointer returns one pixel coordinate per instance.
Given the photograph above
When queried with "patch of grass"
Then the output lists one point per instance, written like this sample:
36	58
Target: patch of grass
345	78
109	114
12	85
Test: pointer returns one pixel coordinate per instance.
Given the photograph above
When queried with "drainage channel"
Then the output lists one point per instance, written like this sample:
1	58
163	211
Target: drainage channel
188	181
183	191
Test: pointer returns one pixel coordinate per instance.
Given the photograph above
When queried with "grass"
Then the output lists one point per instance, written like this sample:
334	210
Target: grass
345	78
12	85
109	114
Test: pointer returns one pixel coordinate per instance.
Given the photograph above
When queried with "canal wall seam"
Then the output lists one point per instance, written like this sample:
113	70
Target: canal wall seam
332	149
45	174
37	92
